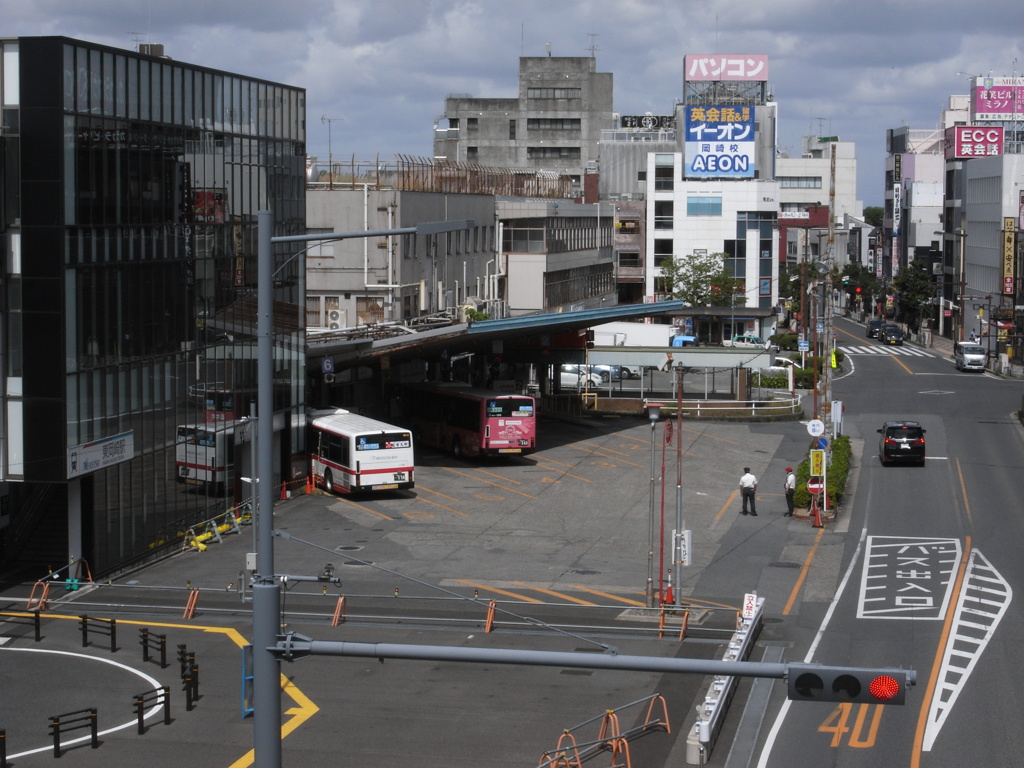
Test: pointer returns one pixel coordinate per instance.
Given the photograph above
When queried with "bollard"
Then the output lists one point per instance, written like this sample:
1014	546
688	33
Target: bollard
143	698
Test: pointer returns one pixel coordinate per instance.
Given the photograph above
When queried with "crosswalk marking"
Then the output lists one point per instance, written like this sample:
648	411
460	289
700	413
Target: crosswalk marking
880	350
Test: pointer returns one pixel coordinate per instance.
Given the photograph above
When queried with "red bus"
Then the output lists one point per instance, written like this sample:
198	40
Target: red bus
350	453
471	422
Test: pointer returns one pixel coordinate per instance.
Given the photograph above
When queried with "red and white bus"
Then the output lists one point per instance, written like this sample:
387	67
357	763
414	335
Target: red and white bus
350	453
205	455
471	422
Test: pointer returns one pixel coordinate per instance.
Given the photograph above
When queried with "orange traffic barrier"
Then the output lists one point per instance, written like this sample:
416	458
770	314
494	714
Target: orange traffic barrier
489	624
618	746
339	612
609	726
41	603
664	712
686	621
190	606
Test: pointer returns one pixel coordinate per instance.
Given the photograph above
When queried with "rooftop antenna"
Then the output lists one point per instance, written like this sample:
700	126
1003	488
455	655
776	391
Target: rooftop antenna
137	38
821	122
593	43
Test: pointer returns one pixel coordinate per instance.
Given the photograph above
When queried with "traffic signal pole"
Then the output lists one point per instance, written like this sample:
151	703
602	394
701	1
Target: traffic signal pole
807	682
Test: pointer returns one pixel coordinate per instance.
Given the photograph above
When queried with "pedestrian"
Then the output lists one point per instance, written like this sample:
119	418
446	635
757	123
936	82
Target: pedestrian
790	491
748	490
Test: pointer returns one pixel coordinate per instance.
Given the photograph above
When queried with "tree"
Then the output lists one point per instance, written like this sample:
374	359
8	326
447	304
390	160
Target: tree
915	290
699	280
873	215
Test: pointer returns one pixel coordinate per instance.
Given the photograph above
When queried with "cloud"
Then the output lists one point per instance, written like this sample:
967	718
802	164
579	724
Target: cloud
381	69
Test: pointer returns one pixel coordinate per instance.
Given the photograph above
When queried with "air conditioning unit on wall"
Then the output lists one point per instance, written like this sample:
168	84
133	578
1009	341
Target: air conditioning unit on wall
334	319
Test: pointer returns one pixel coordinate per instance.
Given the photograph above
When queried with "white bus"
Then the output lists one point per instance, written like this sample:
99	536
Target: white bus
205	455
350	453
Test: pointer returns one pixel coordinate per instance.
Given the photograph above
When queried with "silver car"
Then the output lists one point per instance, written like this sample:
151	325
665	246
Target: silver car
577	377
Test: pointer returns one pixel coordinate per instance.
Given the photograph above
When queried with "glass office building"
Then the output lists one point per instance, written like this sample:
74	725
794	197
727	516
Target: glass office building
129	192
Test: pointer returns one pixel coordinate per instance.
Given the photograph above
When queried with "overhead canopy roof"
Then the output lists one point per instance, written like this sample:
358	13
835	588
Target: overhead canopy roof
478	337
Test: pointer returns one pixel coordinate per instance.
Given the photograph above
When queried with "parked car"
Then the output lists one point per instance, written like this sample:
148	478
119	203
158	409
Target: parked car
746	342
613	372
577	377
901	441
891	334
968	356
874	326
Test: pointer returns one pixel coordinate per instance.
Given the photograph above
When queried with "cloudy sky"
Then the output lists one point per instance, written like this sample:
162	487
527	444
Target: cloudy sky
376	72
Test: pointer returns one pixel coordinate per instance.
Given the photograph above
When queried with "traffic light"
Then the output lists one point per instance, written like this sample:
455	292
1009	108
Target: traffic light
813	682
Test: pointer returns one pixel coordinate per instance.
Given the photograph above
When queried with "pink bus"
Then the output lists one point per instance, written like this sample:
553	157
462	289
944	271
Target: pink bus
455	417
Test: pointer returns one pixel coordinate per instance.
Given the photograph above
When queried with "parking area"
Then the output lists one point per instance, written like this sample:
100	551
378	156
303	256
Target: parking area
559	541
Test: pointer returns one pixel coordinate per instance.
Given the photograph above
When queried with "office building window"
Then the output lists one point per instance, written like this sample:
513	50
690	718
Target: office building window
552	93
472	153
549	153
703	205
553	124
512	130
800	182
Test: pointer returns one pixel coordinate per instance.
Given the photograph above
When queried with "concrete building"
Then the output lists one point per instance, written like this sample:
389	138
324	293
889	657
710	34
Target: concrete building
553	124
953	199
130	190
717	193
399	279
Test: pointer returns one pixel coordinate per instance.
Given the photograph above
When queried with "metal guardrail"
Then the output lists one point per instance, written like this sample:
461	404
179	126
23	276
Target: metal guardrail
711	714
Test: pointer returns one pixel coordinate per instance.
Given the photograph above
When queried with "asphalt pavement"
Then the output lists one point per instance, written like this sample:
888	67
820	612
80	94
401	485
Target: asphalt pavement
557	540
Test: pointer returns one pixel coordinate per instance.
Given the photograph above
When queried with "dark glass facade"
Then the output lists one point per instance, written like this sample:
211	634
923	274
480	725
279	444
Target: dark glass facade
131	186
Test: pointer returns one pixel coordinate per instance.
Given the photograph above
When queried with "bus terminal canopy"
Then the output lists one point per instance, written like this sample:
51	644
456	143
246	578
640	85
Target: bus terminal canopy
480	337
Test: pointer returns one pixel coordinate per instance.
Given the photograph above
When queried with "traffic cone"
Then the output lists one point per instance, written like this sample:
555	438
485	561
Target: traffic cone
668	598
284	491
309	484
816	513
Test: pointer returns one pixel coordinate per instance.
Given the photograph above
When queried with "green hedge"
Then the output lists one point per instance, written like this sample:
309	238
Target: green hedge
835	477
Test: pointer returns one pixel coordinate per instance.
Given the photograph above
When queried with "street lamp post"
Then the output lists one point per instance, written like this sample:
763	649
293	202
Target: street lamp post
266	589
653	412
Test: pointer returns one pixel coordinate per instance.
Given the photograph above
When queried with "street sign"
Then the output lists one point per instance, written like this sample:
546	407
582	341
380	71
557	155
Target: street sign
817	467
815	427
804	346
821	443
815	486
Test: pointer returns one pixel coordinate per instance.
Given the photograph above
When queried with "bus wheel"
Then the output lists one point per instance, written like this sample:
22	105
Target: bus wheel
457	448
328	481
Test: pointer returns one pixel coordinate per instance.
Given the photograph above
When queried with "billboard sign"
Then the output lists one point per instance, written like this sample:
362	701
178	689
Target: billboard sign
648	122
719	143
997	98
1009	236
105	452
965	141
714	67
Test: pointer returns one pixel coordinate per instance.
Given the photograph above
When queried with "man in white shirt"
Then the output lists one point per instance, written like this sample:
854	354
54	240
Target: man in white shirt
748	490
790	491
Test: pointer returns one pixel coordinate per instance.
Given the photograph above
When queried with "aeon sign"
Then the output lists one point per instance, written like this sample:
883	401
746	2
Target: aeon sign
965	141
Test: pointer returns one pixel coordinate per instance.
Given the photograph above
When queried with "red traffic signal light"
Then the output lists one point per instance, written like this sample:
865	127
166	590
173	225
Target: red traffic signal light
813	682
857	289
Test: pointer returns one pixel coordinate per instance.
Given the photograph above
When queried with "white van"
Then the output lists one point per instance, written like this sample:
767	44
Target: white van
969	356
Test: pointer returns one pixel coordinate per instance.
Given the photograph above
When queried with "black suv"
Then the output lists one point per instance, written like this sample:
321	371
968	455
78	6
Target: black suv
901	441
891	334
874	326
